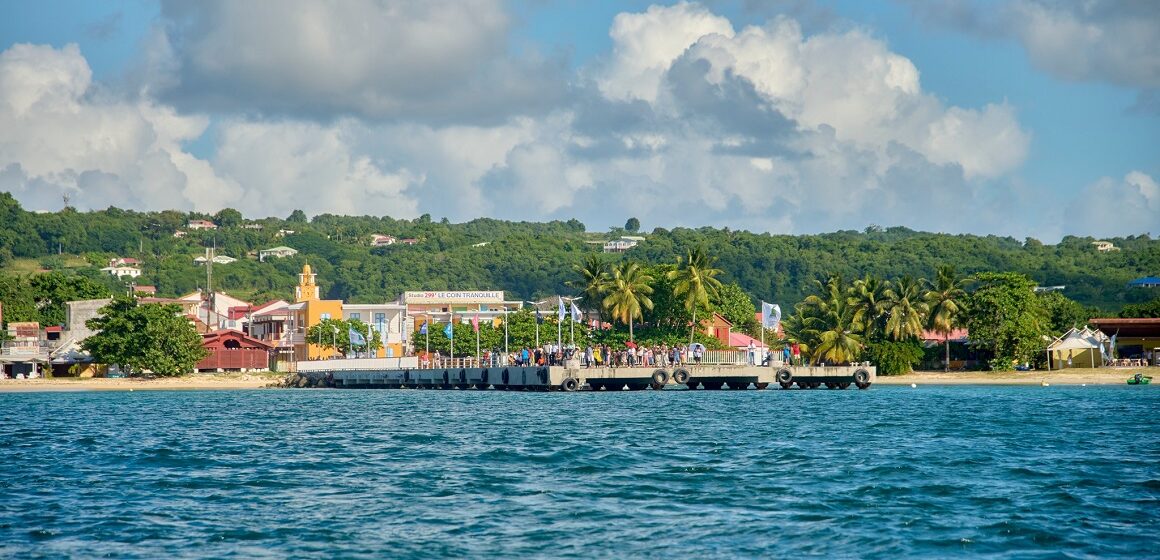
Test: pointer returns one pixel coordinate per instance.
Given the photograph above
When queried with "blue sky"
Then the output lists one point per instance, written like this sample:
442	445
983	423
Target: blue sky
1014	117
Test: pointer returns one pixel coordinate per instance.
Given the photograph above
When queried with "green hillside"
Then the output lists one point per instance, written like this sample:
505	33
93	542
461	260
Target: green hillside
528	260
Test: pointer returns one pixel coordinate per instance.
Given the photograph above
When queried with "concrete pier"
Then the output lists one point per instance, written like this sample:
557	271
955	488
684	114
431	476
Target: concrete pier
575	378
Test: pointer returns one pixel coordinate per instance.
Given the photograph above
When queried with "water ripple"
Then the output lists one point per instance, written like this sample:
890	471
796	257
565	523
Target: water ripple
993	472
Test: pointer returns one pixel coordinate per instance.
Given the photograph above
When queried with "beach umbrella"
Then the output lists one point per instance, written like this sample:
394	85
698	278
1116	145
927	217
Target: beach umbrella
630	344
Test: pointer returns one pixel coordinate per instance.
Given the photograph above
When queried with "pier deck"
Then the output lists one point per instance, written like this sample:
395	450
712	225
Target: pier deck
575	378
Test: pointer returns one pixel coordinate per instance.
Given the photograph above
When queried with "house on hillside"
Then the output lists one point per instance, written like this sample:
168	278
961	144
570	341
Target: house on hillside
201	224
145	290
623	244
122	271
276	253
218	259
1105	246
124	261
409	241
214	311
1145	282
380	240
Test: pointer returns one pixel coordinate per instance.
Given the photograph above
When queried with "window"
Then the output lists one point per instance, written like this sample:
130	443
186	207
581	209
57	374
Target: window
380	318
324	316
356	316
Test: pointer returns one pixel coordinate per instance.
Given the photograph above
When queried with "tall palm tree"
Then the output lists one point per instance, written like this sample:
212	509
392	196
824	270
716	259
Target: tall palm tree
907	309
593	275
628	292
868	297
695	280
831	320
947	298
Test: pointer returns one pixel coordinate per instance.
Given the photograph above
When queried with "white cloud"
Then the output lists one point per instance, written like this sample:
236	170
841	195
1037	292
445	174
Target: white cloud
294	165
1110	207
399	59
60	135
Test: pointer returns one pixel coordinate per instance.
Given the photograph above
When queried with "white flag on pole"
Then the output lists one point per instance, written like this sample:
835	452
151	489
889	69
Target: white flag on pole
770	315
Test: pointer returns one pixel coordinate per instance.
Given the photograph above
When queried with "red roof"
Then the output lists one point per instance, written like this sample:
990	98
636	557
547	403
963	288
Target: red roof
218	338
54	328
742	340
956	335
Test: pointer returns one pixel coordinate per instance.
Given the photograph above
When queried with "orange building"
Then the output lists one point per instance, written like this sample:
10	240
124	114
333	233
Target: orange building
308	311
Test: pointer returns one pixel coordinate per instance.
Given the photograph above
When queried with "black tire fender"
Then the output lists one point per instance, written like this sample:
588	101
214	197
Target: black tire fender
406	375
483	377
681	376
862	378
660	377
784	376
463	375
543	374
569	384
446	377
505	376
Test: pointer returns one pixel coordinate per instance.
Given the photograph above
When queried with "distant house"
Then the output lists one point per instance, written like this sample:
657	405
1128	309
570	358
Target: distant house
1105	246
145	290
124	261
219	259
122	271
621	245
201	224
1145	282
284	232
179	234
409	241
1049	288
252	226
277	253
379	240
481	244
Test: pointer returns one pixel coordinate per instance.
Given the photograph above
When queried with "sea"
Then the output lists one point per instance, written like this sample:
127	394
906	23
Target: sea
889	472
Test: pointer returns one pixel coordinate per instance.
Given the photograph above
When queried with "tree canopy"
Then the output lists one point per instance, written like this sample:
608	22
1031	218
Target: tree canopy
144	337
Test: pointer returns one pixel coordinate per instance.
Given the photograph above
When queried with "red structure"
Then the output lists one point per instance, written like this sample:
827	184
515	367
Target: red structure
232	350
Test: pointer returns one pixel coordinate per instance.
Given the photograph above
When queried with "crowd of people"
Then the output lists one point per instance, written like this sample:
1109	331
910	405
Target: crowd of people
603	355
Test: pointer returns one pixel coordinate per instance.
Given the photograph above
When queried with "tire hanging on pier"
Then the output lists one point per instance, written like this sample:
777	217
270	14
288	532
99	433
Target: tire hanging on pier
569	384
862	378
660	378
446	377
463	375
785	378
483	378
505	377
543	375
681	376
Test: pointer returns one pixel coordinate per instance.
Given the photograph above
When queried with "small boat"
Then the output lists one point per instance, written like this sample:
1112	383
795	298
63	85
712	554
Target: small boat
1139	379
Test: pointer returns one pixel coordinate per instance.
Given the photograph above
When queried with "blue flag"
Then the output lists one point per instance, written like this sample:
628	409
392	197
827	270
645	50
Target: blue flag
560	313
356	338
423	328
449	331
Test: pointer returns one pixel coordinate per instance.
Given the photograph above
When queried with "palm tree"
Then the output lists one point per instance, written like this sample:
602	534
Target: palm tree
830	318
946	298
870	304
907	309
628	292
695	280
592	280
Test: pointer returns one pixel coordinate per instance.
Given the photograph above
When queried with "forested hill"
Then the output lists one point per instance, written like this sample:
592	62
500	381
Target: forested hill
528	260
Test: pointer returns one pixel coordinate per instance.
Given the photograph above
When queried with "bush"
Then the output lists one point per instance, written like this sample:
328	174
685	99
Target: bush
894	358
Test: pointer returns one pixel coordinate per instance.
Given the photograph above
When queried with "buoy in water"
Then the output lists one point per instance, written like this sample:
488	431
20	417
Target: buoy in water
1044	384
913	386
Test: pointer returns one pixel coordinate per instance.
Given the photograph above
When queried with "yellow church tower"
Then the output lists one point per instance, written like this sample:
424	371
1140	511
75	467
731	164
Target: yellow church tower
310	311
307	287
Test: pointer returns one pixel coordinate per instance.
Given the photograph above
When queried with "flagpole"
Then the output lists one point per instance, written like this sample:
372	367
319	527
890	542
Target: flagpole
427	328
572	326
763	328
451	339
560	324
505	334
477	341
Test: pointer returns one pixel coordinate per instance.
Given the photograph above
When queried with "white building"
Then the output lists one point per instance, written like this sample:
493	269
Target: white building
122	271
388	319
276	252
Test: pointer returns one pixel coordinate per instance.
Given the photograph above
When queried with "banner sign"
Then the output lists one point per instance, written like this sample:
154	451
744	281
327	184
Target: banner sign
453	297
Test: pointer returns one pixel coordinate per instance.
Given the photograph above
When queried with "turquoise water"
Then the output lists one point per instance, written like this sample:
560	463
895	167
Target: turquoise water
1001	472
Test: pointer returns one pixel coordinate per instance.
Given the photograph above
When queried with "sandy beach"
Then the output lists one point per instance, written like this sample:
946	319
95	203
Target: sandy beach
1075	376
188	382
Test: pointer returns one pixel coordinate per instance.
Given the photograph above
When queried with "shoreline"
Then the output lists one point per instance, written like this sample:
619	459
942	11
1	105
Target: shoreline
260	380
1073	376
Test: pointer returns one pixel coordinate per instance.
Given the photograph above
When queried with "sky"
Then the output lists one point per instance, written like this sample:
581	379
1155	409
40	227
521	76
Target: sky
1028	118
